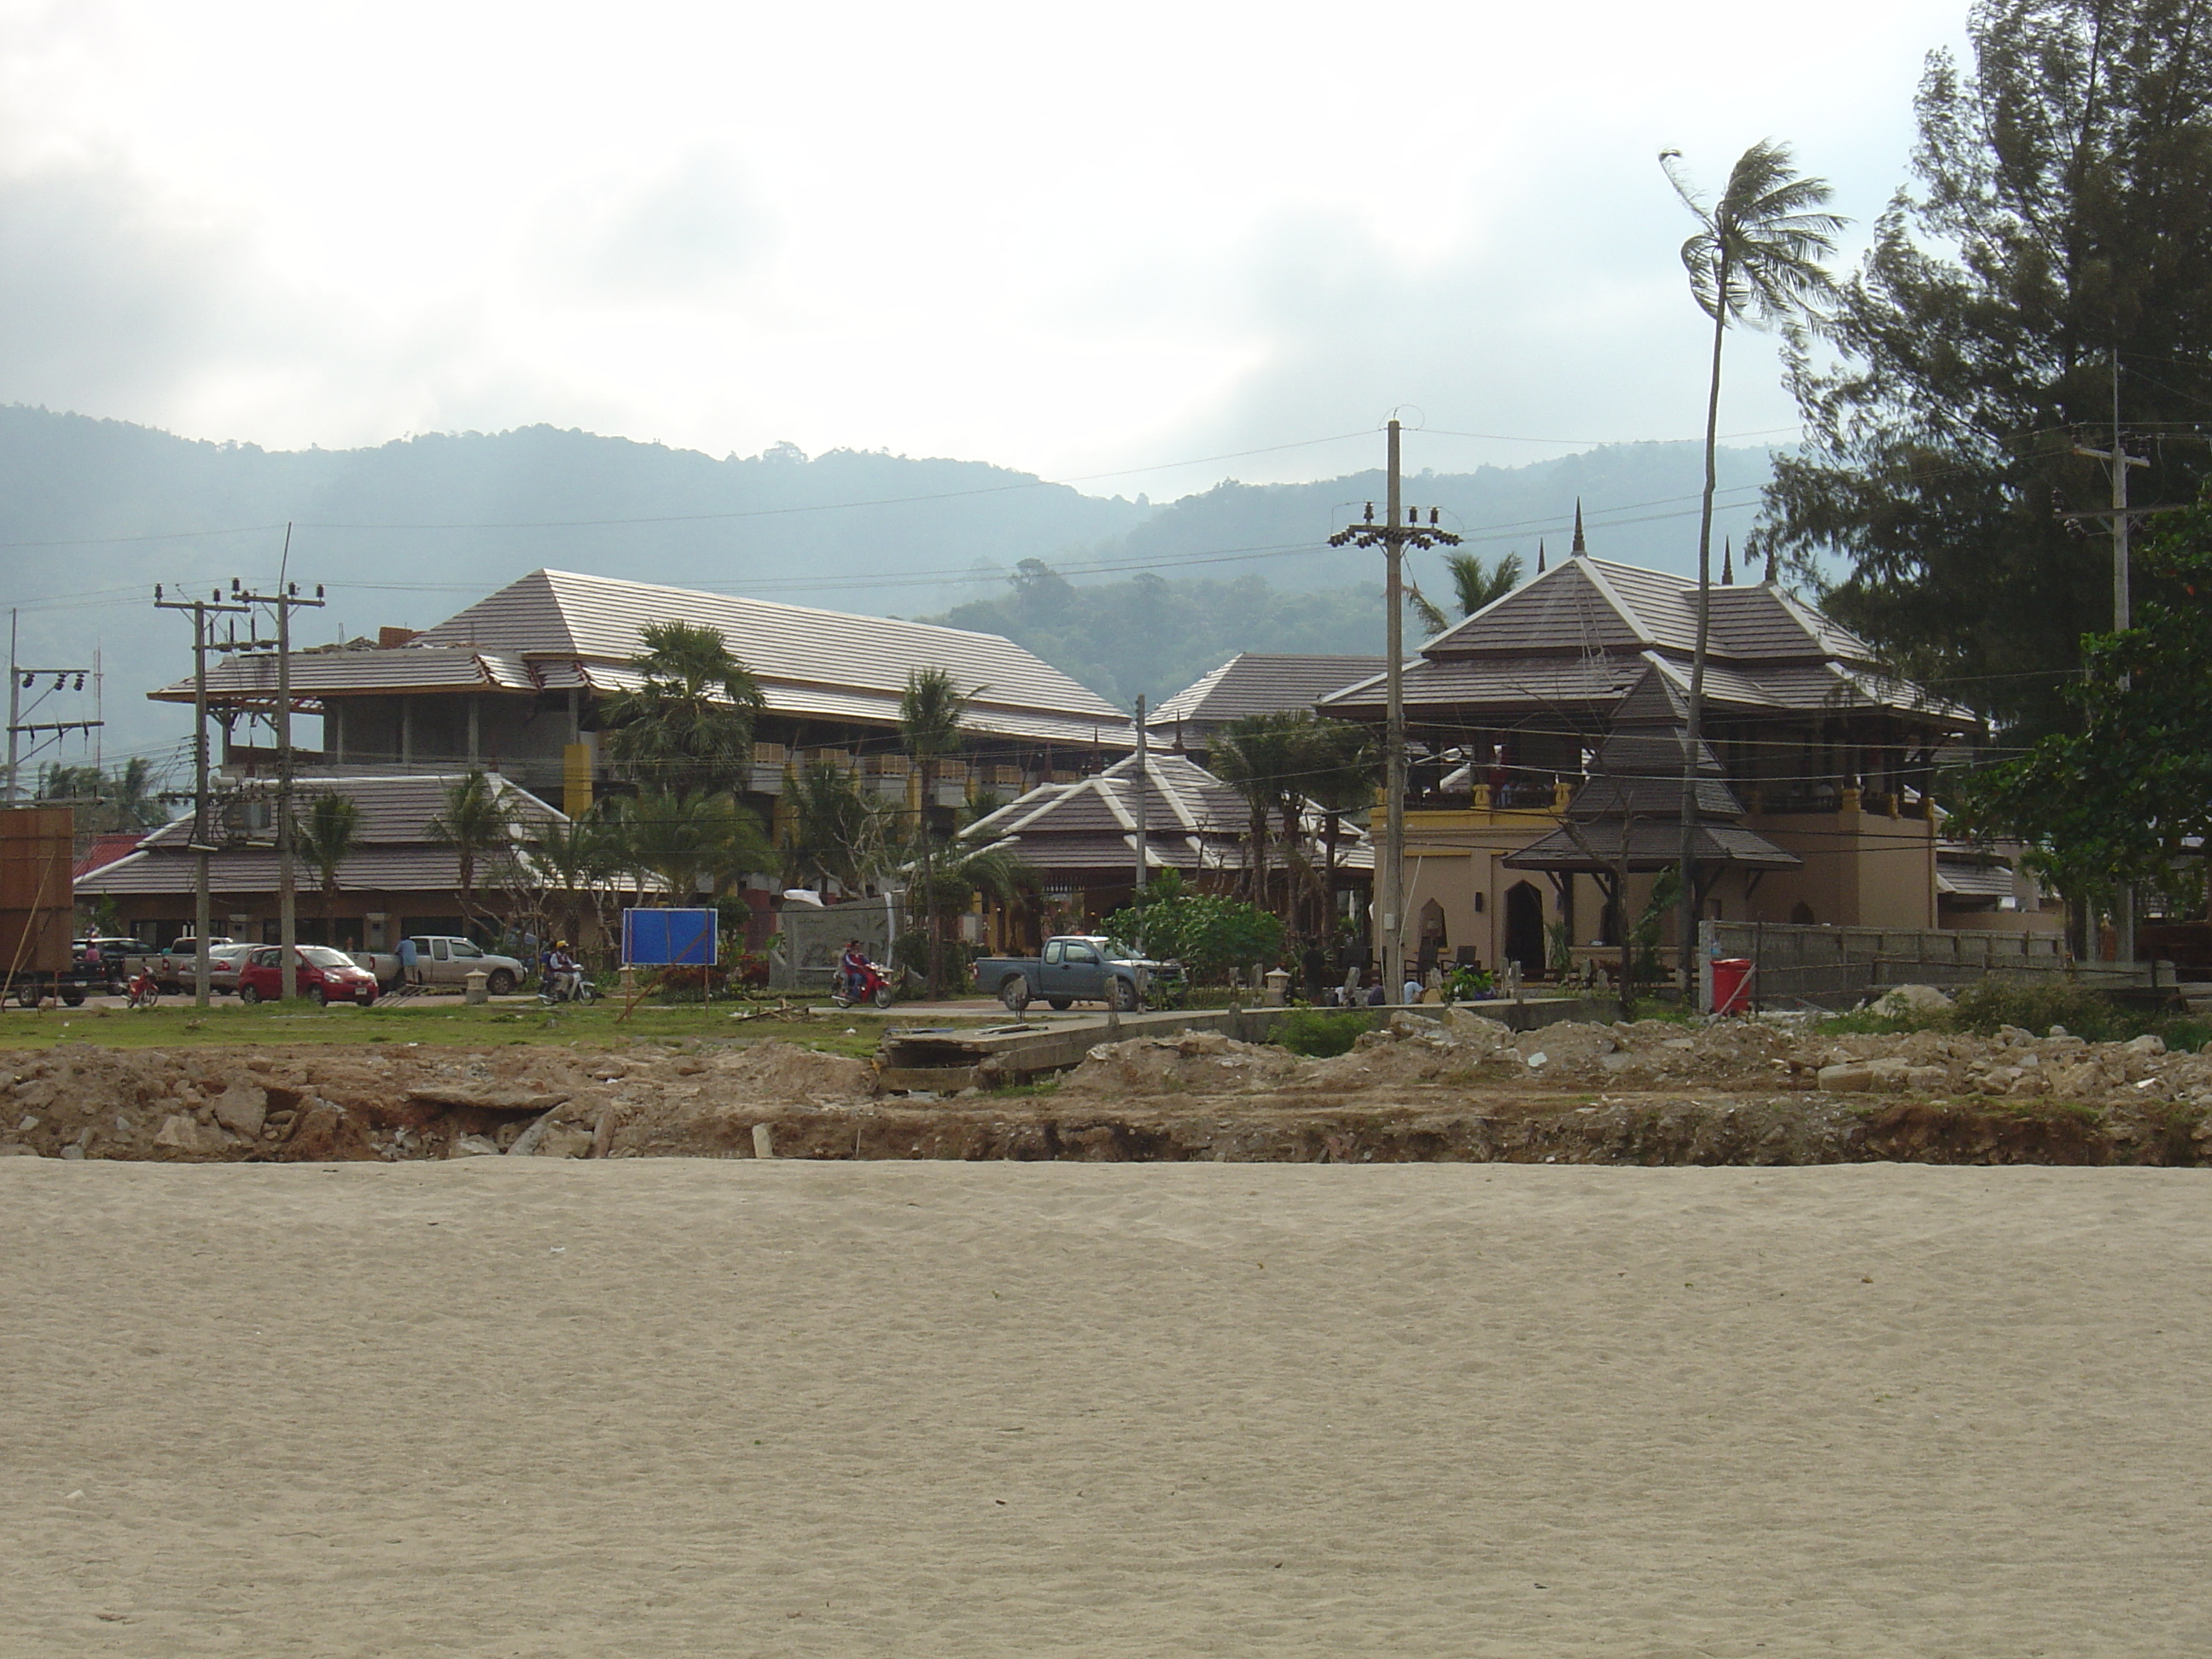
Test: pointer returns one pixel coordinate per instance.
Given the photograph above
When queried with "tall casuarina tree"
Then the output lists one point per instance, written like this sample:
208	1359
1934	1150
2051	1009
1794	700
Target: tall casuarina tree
1756	257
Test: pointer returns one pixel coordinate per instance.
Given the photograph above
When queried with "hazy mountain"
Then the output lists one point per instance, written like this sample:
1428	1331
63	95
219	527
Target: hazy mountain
93	513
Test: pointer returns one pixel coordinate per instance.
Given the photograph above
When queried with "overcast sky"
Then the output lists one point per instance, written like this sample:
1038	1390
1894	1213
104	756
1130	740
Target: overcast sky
1069	238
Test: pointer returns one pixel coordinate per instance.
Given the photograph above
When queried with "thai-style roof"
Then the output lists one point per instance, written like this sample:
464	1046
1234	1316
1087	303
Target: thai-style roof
554	630
1256	683
1573	639
394	850
1194	821
1632	798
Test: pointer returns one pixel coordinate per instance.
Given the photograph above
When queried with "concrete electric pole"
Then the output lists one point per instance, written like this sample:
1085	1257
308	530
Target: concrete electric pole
1401	528
285	600
2124	917
202	611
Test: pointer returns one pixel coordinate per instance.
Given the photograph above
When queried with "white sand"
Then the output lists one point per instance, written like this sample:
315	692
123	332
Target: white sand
670	1408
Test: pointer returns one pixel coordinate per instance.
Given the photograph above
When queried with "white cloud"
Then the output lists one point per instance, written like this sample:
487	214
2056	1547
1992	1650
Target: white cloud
1073	239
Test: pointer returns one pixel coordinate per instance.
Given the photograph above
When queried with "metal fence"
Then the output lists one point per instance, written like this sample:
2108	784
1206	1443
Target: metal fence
1798	965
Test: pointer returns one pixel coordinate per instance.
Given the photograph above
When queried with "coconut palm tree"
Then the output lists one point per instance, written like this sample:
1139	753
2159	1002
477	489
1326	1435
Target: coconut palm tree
689	727
325	838
1480	584
1755	257
930	713
476	821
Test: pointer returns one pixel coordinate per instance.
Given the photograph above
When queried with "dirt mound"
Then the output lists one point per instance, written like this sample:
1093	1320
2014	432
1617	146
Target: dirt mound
1192	1062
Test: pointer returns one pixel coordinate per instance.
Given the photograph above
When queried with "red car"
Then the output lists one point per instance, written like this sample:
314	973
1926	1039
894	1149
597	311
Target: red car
325	976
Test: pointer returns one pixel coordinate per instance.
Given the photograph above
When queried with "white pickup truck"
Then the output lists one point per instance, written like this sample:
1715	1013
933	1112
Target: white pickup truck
446	959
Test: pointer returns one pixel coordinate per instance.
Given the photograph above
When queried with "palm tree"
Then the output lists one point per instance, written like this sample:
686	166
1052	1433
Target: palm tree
833	830
1480	584
689	726
476	820
1343	768
1255	756
325	838
690	842
930	713
1756	256
572	858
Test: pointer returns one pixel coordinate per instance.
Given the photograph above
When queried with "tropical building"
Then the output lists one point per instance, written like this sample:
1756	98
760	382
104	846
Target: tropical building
515	683
1249	684
399	879
1815	779
1079	842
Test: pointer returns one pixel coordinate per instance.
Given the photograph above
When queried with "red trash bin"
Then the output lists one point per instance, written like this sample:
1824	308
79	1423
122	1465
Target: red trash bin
1732	985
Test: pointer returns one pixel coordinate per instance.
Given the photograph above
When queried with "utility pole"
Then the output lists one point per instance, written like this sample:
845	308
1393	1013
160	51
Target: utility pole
21	677
1144	821
2124	917
203	905
286	600
1394	538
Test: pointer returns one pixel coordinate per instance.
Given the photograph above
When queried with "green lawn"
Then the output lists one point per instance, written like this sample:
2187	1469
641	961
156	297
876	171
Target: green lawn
598	1026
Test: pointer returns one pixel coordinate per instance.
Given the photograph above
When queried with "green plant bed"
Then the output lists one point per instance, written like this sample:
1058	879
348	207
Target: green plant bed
1323	1032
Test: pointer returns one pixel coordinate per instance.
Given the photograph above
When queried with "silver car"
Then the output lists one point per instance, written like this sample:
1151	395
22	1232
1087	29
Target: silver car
448	959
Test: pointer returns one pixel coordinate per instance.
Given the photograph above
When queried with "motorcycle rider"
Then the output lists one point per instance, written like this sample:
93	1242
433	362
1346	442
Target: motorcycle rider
854	966
564	971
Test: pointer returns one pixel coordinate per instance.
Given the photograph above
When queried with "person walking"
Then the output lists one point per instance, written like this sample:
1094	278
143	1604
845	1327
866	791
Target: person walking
407	962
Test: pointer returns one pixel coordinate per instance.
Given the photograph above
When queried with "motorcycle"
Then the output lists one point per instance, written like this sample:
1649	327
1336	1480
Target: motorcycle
873	988
569	985
144	991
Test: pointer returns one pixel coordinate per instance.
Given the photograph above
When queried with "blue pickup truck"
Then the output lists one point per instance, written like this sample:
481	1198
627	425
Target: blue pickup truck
1077	968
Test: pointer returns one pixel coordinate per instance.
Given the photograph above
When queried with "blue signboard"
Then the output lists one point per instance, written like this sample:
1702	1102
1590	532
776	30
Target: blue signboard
661	939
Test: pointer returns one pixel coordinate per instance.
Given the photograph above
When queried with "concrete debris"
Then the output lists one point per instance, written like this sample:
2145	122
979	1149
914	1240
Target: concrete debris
1900	1000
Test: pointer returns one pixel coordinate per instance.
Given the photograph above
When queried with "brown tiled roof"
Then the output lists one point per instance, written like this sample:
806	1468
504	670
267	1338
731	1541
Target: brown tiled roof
1193	820
393	810
1254	682
1571	640
370	672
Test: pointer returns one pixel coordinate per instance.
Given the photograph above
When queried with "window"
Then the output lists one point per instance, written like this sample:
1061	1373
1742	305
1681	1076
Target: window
463	948
1082	953
323	957
1052	951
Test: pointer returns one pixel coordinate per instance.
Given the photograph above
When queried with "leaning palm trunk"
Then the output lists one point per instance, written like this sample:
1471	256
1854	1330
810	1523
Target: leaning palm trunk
1685	925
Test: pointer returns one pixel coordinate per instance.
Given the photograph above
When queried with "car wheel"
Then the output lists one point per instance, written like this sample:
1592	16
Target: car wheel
74	999
501	983
1123	997
1059	1004
248	995
1014	992
318	996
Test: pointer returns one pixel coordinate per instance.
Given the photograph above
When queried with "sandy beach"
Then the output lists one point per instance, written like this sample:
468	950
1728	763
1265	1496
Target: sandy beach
675	1406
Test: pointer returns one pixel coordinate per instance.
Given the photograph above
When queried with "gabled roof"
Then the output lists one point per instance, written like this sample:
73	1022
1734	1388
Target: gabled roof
1586	604
1569	641
394	852
793	650
1255	682
555	629
1192	821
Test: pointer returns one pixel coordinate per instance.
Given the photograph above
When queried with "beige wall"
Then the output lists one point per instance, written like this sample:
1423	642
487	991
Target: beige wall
1861	869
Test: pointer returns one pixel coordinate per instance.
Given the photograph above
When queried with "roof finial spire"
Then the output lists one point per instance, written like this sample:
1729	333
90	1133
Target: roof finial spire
1540	556
1581	547
1727	562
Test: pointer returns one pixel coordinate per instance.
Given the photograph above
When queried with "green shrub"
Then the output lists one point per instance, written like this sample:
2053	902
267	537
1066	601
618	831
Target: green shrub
1322	1032
1987	1004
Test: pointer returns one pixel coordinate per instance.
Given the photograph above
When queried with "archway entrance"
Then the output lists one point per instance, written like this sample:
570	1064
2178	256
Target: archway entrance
1524	926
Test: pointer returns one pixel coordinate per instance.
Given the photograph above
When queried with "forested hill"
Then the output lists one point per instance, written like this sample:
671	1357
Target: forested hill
93	513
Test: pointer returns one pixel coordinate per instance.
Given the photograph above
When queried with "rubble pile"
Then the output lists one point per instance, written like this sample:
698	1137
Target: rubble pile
1457	1087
